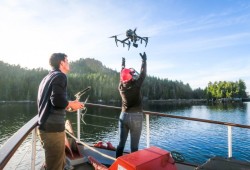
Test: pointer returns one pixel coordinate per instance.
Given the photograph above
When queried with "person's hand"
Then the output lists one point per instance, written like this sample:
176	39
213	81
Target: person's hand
123	62
143	56
74	105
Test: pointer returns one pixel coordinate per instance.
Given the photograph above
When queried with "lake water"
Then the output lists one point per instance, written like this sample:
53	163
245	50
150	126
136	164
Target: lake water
196	141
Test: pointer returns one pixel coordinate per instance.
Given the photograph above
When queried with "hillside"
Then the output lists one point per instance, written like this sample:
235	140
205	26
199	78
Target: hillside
17	83
89	66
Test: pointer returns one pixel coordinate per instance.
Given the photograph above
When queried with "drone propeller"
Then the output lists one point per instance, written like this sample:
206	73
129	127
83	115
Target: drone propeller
116	39
115	36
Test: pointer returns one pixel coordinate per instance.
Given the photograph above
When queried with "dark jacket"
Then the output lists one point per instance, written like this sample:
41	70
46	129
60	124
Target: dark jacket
131	92
52	101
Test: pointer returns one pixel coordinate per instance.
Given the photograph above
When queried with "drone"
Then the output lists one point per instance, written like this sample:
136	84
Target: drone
132	37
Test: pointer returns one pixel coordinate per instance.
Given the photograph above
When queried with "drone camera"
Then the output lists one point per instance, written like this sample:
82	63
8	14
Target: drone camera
135	45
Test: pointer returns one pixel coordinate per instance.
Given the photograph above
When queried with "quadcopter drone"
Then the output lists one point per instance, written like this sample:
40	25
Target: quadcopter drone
132	37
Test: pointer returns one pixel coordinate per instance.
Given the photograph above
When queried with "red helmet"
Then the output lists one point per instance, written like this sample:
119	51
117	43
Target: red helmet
125	75
128	74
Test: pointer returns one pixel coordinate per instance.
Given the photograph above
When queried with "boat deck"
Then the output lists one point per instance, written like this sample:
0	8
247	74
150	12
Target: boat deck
107	162
88	166
85	166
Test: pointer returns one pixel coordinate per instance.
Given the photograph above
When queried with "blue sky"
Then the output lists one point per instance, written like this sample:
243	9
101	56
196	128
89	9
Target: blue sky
193	41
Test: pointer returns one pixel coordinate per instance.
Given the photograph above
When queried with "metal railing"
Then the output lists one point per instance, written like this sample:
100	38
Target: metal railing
13	143
10	147
147	113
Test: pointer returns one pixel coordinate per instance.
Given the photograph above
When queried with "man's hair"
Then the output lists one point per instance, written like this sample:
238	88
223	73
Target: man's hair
55	60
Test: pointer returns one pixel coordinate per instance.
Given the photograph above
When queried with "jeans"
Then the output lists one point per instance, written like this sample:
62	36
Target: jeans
129	122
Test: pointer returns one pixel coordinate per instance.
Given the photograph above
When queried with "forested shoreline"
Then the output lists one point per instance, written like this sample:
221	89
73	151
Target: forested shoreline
21	84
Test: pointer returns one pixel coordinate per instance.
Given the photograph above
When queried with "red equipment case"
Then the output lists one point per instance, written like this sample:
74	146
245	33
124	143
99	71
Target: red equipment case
152	158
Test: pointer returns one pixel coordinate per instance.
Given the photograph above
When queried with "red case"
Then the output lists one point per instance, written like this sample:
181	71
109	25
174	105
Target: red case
152	158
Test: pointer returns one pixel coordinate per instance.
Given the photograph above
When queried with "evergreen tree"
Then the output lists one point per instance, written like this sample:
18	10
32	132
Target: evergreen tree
17	83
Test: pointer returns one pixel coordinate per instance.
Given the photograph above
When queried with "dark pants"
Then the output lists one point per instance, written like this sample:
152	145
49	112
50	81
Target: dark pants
129	122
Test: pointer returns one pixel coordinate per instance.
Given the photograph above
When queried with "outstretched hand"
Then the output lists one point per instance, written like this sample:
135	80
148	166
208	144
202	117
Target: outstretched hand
143	56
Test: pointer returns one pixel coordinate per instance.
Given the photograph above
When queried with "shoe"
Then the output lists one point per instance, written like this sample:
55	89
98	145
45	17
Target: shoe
100	145
110	146
97	165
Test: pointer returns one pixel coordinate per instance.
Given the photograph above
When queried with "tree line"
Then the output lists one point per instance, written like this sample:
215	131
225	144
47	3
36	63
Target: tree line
17	83
224	89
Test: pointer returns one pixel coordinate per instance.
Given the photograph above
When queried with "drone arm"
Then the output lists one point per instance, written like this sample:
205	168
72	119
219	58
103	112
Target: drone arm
115	37
123	41
146	41
116	41
128	45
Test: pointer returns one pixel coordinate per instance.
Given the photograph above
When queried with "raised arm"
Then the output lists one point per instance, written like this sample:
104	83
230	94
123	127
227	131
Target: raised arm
123	62
143	66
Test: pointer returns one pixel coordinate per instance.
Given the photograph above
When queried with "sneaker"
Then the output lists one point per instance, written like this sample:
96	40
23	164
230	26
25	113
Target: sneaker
97	165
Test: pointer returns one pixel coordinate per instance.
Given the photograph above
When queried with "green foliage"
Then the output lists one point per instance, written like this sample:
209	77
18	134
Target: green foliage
224	89
18	83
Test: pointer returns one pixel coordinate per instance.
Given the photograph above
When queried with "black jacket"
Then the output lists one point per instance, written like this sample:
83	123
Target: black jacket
130	92
52	101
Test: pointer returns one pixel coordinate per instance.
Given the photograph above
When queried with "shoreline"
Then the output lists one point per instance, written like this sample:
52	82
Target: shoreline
179	101
19	101
163	101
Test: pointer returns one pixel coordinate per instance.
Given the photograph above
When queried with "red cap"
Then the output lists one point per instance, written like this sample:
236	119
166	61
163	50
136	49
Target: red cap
125	75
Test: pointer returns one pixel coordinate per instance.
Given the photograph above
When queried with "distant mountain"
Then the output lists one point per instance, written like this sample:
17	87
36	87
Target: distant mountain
88	66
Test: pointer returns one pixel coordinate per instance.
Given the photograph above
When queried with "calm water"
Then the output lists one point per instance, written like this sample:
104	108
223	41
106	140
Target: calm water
196	141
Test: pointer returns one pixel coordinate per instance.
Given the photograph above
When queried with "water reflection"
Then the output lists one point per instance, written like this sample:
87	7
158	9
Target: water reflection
13	116
197	141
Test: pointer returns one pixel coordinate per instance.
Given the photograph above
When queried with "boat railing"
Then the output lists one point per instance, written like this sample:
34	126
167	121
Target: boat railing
148	113
13	143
